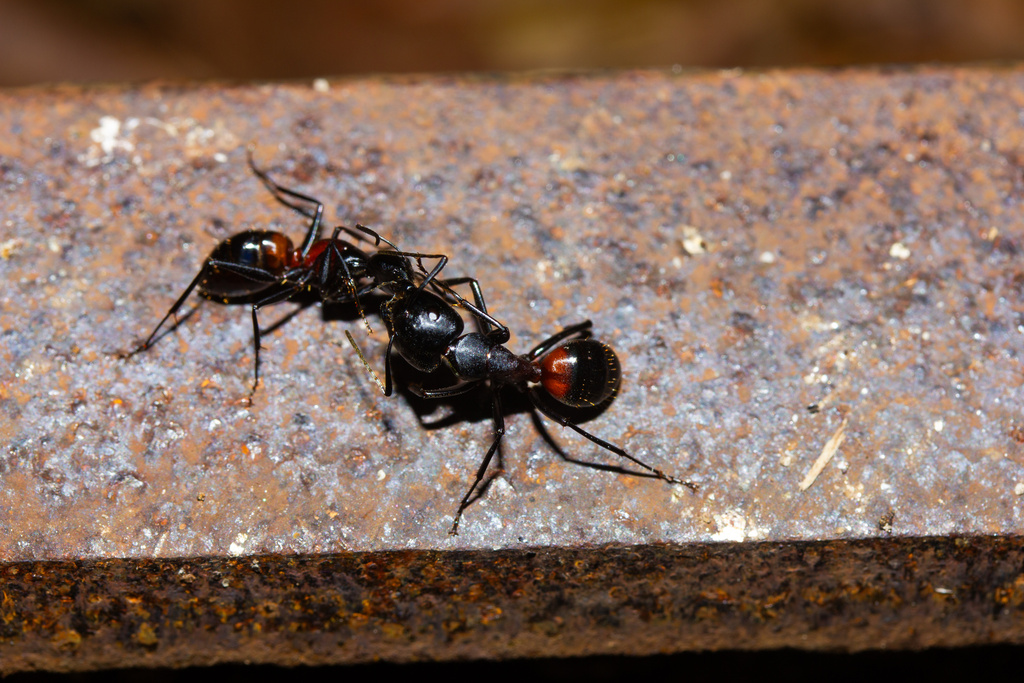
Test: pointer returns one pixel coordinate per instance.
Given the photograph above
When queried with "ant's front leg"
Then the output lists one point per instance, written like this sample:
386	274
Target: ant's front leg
479	310
362	233
326	274
445	287
485	321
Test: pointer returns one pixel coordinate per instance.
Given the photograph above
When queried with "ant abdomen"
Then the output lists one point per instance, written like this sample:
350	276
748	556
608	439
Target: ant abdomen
581	373
263	249
260	250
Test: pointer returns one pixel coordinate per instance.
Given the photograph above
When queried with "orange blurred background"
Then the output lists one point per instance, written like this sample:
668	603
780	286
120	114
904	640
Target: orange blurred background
119	40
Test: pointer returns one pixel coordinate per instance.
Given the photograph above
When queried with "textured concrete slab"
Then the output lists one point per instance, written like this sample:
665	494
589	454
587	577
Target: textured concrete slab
813	281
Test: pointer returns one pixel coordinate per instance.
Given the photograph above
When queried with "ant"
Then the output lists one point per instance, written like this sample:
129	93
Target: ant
262	267
569	367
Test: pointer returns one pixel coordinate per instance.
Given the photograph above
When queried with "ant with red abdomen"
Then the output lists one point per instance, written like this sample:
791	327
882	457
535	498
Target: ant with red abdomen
569	367
262	267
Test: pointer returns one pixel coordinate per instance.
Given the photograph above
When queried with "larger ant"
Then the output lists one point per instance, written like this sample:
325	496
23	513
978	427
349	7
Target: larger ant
569	367
262	267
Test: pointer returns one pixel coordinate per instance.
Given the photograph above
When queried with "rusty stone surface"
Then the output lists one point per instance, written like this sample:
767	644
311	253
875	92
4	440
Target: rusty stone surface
423	605
781	260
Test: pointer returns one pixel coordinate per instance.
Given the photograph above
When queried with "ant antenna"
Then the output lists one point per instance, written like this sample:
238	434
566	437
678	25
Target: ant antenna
366	364
349	280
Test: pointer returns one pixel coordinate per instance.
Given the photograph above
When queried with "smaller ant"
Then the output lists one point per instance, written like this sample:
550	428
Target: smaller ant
262	267
569	367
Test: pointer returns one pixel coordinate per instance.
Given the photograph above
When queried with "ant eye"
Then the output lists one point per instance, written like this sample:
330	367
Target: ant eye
434	316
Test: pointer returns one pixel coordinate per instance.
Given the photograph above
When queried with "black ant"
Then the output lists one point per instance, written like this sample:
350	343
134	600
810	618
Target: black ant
262	267
570	367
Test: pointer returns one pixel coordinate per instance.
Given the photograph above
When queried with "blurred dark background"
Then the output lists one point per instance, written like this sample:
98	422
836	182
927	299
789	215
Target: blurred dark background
119	40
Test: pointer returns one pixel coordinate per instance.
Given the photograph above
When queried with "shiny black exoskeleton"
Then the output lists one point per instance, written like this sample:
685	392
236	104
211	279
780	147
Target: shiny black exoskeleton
262	267
569	367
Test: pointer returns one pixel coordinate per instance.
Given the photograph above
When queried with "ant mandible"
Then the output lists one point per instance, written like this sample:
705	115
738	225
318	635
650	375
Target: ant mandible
569	367
262	267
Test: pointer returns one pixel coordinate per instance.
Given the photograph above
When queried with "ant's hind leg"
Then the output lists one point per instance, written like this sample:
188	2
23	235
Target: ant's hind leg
606	445
581	330
173	309
476	488
281	194
210	267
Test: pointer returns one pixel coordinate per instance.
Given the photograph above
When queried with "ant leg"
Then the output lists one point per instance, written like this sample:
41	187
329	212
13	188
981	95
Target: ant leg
499	335
479	310
386	386
499	431
430	278
445	286
606	445
446	392
173	309
281	194
442	261
272	299
209	266
579	329
248	272
362	233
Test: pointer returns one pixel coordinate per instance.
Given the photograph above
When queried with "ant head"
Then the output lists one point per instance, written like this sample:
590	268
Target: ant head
388	266
581	373
422	325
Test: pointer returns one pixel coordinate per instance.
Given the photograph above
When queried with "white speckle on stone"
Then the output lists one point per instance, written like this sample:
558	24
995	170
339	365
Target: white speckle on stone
899	251
238	547
693	242
731	525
